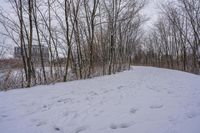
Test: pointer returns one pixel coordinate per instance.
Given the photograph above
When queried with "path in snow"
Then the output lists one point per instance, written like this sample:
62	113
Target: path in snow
142	100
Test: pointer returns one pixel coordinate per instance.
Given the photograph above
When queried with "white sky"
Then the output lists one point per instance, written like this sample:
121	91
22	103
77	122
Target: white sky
151	11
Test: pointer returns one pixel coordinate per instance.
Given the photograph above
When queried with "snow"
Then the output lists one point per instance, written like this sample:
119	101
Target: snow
142	100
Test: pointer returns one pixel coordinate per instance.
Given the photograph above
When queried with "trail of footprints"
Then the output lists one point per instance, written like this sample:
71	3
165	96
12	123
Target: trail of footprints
124	125
132	111
83	128
121	125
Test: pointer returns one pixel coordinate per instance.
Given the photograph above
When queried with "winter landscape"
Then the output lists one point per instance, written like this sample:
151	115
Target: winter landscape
100	66
142	100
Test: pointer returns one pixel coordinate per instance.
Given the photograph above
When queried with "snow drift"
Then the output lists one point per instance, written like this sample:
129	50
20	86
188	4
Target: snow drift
142	100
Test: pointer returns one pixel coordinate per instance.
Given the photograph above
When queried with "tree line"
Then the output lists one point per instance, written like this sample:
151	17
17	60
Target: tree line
85	38
174	41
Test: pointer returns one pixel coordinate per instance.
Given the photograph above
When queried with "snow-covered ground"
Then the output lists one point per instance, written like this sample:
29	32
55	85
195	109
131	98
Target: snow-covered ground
142	100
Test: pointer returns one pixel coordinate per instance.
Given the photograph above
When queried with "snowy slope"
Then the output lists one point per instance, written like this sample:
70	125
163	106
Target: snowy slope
142	100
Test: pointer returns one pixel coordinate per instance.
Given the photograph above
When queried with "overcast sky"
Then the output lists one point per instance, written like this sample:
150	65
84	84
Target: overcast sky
151	9
152	12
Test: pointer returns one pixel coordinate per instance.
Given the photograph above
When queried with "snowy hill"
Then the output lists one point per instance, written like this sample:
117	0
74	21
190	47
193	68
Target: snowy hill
142	100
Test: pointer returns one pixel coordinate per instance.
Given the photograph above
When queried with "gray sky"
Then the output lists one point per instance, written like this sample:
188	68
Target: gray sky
152	12
151	9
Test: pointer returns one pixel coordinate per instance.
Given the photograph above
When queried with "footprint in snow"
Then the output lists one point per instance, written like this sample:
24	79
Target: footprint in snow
156	106
133	110
113	126
41	123
70	114
124	125
121	125
80	129
170	92
66	100
57	129
172	118
191	115
45	108
93	93
120	87
98	113
106	91
4	116
38	122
